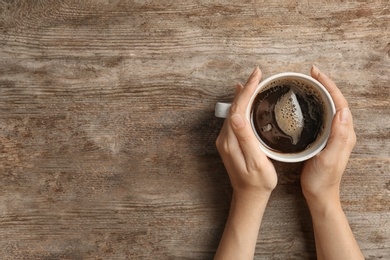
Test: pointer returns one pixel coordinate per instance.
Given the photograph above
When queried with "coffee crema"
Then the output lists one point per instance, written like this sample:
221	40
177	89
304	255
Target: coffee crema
288	116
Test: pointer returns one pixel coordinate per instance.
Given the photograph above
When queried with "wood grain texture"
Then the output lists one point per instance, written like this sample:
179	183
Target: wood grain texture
107	130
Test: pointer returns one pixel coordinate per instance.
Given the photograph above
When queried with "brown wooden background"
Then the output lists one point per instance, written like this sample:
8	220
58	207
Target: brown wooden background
107	130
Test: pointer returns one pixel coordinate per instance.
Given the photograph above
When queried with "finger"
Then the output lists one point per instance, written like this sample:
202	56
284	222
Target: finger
229	147
241	101
239	88
342	137
227	129
228	144
338	98
247	140
227	136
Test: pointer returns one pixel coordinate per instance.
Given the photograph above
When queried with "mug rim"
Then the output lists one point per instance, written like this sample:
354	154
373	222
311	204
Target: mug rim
318	145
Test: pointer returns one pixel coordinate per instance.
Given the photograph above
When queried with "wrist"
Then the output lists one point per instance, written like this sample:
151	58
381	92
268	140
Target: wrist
248	208
251	196
321	202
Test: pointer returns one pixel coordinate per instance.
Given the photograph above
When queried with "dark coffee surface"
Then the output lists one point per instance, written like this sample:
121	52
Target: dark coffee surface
268	128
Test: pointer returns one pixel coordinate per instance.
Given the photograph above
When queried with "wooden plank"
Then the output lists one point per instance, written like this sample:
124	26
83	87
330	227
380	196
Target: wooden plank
107	130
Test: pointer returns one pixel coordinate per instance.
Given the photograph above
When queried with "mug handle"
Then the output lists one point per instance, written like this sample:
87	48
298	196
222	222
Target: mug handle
222	109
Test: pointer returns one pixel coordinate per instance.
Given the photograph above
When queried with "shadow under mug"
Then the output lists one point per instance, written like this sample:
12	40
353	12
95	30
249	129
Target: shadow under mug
222	110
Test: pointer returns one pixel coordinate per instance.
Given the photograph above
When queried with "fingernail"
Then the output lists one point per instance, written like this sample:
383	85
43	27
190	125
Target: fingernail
344	115
256	70
237	121
315	70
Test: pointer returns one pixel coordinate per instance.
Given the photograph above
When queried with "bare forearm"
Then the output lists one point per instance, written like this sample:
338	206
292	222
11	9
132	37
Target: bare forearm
242	227
333	235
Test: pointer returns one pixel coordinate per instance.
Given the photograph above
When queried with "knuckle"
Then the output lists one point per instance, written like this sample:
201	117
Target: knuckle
344	136
326	162
222	145
353	139
349	138
244	136
219	143
234	108
246	139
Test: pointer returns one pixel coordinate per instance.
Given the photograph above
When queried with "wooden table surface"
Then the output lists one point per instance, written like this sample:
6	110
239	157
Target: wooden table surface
107	133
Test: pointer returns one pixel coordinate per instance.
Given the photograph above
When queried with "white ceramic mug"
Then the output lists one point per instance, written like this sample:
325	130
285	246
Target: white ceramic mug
222	110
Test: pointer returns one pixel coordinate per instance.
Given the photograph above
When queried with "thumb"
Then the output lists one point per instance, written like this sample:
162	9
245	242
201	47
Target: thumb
342	137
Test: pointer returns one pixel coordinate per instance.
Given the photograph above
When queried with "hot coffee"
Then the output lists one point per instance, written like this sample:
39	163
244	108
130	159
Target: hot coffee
288	116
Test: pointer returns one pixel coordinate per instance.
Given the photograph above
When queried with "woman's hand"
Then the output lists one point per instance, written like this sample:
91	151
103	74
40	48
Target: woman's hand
249	169
251	173
321	175
320	180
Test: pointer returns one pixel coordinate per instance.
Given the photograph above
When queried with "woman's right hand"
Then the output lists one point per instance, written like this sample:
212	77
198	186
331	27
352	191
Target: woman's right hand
321	175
